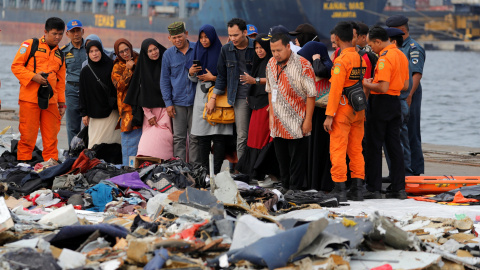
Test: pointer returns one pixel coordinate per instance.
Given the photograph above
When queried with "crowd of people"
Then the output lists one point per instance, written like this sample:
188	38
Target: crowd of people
288	109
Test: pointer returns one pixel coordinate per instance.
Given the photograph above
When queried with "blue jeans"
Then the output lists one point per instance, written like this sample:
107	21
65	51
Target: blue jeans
414	136
130	140
72	113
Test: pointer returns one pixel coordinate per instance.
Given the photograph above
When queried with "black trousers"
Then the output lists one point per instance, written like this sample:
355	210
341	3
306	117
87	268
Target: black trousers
205	146
383	126
292	159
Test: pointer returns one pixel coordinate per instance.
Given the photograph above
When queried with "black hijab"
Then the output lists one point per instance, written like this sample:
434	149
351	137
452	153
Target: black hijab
95	99
144	89
260	64
257	97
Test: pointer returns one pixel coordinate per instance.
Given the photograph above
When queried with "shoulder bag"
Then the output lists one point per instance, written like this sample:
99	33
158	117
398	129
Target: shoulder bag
223	114
355	94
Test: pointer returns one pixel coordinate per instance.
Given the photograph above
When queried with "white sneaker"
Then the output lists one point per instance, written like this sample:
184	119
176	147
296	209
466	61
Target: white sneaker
267	183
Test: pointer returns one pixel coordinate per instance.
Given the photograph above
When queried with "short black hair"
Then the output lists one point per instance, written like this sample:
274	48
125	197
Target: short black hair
332	32
378	32
344	31
280	36
363	28
407	27
398	39
54	23
355	26
242	25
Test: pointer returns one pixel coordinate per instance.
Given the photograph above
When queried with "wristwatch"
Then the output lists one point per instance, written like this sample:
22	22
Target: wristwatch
257	80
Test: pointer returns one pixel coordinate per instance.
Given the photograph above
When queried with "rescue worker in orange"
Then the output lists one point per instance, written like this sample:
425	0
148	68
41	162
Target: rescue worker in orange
48	59
346	127
385	115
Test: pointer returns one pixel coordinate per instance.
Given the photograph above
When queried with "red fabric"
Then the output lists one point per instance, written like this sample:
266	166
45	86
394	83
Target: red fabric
368	72
460	199
83	163
189	234
423	199
259	129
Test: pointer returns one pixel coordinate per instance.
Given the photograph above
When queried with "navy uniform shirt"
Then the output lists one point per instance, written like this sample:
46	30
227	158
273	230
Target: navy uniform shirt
73	60
416	59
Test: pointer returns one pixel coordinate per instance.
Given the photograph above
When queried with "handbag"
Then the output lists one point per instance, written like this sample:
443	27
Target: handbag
223	113
323	89
355	94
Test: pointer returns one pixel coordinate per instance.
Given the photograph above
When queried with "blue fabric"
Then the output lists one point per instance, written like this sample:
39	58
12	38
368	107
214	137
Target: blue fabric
228	69
72	113
315	47
208	56
414	134
161	256
50	173
101	195
176	88
130	140
73	61
275	251
416	59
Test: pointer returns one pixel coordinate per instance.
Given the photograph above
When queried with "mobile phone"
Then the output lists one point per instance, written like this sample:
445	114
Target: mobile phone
196	62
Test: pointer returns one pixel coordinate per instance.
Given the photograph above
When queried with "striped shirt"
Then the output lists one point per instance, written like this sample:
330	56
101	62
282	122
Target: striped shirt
295	82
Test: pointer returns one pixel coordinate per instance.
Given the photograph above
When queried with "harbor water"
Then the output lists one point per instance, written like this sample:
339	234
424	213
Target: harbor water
450	106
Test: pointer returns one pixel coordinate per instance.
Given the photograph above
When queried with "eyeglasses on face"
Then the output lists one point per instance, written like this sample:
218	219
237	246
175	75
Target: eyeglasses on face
124	51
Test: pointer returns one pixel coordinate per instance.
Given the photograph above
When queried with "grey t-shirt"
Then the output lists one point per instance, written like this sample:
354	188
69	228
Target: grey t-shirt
242	90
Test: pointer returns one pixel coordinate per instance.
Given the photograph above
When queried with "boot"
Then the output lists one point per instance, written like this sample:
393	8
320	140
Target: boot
339	192
355	192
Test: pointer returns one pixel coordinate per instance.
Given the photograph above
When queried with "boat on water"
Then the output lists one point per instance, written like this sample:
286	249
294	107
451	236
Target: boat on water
140	19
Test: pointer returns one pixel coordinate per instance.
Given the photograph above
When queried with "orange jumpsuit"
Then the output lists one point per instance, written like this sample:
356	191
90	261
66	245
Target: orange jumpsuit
31	116
348	126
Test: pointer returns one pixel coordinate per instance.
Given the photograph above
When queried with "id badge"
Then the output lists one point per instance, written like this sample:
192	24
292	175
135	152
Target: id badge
274	93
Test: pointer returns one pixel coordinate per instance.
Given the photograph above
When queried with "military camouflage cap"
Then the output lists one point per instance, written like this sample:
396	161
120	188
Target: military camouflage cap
176	28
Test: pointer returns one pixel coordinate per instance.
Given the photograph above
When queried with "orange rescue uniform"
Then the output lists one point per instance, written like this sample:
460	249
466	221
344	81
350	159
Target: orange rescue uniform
392	67
348	126
31	116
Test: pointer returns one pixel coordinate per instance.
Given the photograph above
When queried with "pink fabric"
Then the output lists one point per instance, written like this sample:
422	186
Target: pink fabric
156	141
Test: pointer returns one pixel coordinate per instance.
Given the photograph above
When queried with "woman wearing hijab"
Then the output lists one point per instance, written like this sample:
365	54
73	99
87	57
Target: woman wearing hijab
259	158
97	97
122	73
207	51
319	164
92	37
144	93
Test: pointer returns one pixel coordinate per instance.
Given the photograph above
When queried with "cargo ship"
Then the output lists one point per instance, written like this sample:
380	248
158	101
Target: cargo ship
140	19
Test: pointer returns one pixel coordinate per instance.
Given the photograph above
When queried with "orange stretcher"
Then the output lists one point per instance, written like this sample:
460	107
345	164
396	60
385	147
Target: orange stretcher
422	185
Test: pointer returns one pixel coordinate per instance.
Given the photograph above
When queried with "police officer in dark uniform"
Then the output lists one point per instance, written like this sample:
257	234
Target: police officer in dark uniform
413	96
75	55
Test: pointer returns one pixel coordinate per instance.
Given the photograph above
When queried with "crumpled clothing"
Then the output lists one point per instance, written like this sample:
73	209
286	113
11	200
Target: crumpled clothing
101	195
134	200
46	164
130	180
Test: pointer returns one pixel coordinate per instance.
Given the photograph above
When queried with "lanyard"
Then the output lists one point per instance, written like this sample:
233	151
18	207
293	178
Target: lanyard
280	73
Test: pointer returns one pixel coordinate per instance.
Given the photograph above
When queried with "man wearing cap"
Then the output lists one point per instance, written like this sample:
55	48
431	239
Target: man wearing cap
283	30
46	70
413	96
75	55
304	33
252	31
179	92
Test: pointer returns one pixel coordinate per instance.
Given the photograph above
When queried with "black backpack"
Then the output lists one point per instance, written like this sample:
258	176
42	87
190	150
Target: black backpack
34	49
